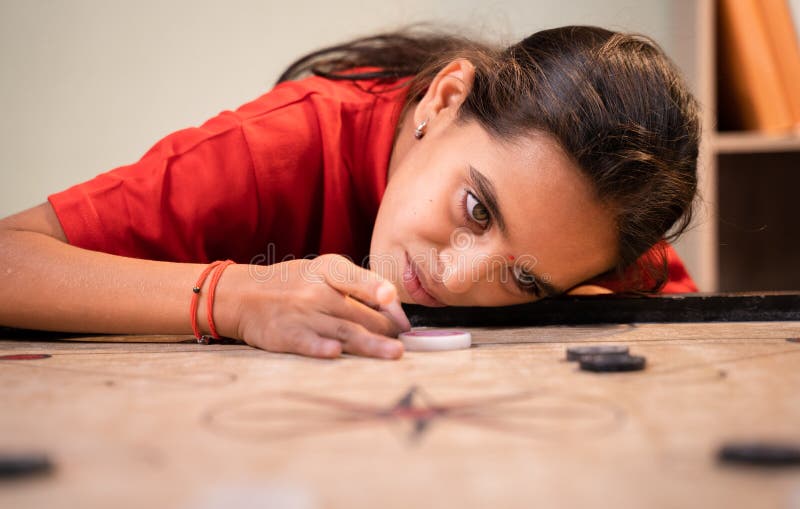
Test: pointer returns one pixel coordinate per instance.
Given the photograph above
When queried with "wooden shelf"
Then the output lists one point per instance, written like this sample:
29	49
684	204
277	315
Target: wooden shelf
753	142
746	179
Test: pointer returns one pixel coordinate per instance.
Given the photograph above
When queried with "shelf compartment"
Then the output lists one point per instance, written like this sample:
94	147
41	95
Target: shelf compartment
754	142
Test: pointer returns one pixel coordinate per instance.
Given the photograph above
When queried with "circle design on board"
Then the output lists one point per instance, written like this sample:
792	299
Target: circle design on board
579	332
555	334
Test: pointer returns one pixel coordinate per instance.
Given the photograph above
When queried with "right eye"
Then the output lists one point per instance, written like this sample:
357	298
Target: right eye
476	210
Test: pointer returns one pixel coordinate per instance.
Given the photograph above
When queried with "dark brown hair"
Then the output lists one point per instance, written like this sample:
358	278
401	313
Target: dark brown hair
614	102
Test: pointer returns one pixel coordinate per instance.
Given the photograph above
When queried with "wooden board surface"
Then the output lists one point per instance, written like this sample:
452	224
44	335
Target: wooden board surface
507	423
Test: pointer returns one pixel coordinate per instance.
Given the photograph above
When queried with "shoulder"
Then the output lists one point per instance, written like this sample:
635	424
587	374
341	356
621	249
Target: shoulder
320	94
343	127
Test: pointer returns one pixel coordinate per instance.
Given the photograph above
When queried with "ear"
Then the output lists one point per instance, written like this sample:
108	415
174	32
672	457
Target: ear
448	90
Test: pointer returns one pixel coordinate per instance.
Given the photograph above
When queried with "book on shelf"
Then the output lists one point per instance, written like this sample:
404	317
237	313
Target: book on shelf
758	66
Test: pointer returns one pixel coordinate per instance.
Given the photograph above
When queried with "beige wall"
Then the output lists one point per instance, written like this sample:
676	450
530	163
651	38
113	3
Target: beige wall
88	85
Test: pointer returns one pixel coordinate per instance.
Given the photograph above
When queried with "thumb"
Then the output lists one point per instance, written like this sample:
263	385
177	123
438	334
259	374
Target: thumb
389	302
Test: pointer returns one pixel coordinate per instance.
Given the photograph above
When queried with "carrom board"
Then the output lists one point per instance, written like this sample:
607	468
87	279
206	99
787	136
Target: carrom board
148	421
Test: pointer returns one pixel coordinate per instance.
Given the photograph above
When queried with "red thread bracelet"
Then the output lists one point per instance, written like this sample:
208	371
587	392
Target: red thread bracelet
212	288
196	299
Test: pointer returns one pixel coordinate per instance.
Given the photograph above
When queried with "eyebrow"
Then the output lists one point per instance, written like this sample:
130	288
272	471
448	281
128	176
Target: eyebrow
486	189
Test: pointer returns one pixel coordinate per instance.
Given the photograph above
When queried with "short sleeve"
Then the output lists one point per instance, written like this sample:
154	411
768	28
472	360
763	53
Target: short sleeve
678	278
200	193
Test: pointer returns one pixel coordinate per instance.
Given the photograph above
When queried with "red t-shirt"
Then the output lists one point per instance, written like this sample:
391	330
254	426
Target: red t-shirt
299	171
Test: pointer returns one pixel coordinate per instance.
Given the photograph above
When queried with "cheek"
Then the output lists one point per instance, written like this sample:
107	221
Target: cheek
435	215
424	208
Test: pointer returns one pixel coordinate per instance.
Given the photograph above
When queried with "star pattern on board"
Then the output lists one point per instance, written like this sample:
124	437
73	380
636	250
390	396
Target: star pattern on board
297	414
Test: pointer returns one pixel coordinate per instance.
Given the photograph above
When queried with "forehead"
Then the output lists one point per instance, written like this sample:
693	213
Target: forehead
548	203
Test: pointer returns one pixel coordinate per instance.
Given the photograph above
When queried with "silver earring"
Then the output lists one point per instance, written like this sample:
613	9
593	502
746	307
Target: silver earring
419	131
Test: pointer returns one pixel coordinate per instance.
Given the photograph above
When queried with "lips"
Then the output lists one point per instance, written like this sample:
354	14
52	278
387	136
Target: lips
414	287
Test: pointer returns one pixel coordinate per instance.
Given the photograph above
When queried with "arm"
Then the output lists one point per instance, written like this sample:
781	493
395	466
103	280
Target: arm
48	284
51	285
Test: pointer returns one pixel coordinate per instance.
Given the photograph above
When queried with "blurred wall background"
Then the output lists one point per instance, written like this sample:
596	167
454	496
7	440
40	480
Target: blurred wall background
89	85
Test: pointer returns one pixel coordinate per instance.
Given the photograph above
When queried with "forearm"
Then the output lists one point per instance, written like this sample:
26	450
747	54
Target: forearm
49	285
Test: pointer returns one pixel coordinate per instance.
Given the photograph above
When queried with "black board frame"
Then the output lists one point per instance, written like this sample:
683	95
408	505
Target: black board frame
618	308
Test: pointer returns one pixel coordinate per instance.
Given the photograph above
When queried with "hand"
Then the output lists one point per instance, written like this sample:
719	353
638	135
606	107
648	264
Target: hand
320	308
588	290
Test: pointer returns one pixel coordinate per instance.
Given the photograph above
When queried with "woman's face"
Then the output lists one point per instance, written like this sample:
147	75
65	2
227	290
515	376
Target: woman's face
467	220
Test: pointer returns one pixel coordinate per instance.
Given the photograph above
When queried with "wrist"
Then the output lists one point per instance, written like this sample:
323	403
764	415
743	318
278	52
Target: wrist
227	301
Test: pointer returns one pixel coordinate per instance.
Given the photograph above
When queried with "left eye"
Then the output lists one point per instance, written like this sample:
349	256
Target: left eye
477	210
525	278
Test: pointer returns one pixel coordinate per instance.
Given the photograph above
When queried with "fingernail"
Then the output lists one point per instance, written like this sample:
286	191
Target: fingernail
392	350
396	310
386	293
